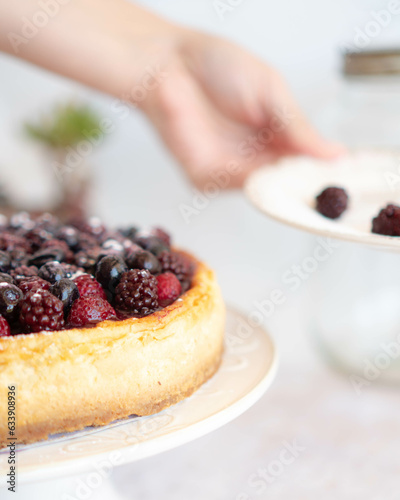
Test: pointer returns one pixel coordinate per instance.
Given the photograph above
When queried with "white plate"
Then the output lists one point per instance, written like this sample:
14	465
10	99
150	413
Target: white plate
247	370
286	192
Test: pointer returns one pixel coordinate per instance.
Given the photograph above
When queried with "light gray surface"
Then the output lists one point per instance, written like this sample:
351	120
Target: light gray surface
351	442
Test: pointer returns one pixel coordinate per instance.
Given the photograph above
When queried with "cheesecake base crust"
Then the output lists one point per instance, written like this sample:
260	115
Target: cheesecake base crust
71	379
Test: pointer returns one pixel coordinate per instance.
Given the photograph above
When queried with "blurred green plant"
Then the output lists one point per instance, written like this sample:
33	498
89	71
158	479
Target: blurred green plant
66	125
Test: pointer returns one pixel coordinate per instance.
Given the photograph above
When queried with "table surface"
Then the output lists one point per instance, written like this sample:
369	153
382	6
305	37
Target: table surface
310	436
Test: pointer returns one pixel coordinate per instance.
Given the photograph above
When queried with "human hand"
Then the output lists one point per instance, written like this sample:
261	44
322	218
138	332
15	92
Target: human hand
222	112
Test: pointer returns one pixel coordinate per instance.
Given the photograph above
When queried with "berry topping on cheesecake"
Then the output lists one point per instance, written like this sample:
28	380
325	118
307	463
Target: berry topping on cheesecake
55	275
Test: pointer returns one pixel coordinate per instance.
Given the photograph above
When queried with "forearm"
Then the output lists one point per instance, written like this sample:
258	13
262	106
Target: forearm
106	44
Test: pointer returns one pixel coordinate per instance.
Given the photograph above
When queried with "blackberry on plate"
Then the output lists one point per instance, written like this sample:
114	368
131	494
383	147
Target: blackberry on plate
40	310
136	293
144	260
387	222
109	271
332	202
10	297
67	291
52	272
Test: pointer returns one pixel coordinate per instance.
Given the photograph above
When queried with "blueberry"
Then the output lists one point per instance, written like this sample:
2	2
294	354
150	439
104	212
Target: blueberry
88	259
52	272
109	270
40	257
144	260
5	261
67	291
152	244
113	245
68	234
129	232
10	295
6	278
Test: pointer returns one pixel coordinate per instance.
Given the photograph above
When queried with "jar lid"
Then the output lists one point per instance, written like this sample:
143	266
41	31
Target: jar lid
371	62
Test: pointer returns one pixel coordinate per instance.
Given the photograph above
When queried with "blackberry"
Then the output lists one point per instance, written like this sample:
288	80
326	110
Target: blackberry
136	293
67	291
10	242
387	222
52	272
24	271
10	297
33	283
144	260
40	310
179	265
109	271
332	202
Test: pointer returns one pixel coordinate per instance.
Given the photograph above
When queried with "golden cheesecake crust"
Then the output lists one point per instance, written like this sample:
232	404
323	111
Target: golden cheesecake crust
69	379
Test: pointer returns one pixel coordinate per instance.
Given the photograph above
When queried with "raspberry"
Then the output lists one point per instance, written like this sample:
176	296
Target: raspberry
179	265
90	310
136	293
387	222
10	242
88	286
40	310
32	283
4	327
332	202
169	288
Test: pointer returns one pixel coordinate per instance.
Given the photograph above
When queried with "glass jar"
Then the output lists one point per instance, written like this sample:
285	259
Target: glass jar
356	294
366	112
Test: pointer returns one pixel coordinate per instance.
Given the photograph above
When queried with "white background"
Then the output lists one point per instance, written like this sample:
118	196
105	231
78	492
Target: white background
137	180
